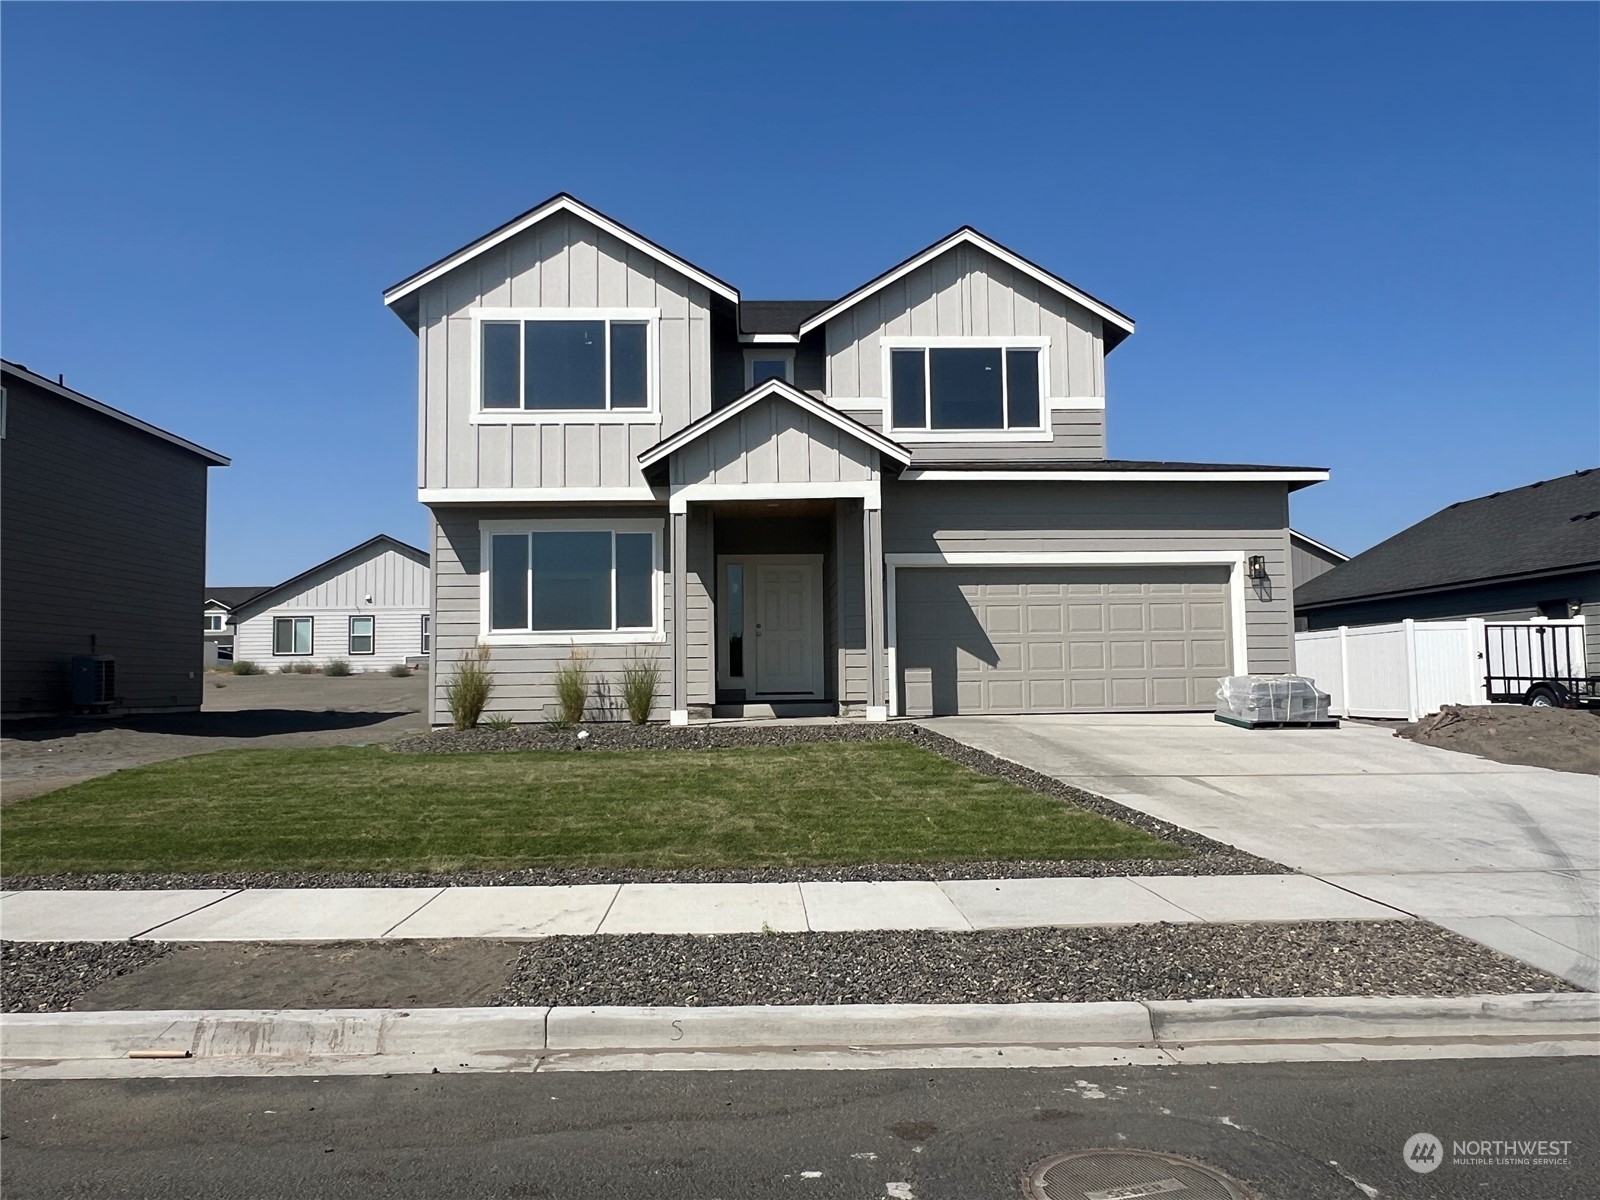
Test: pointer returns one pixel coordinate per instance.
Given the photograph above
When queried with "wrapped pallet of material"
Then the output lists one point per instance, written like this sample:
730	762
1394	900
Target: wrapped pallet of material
1274	699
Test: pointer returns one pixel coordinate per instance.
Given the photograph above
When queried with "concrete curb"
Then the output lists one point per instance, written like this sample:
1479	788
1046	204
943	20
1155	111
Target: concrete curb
506	1038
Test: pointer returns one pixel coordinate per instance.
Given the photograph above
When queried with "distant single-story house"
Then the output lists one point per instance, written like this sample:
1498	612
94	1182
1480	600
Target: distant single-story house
220	603
103	555
368	606
1309	558
1517	555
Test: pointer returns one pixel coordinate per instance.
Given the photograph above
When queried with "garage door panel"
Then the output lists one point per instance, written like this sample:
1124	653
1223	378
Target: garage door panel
1045	639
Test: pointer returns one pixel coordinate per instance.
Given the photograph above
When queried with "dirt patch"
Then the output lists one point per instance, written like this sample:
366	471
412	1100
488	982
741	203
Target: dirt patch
444	974
1562	739
240	712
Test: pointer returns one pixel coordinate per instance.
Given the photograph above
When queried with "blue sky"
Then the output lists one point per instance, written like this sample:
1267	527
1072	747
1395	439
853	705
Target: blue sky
1362	236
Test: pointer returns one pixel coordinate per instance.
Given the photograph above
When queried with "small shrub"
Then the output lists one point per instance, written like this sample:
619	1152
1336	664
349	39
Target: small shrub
641	683
572	687
243	666
468	691
303	668
499	722
400	671
338	667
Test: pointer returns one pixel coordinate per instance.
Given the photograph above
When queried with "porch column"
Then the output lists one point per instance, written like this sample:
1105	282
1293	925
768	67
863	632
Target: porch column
678	564
872	552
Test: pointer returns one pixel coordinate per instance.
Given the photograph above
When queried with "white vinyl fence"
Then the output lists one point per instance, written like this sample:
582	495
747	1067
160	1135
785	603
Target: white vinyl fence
1412	668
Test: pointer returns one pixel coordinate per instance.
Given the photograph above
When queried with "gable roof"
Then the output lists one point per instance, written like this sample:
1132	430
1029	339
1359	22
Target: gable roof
777	316
1118	325
232	597
1296	536
1541	529
784	391
382	541
559	203
211	457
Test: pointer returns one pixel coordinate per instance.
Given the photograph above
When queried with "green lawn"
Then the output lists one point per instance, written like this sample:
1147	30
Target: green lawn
369	810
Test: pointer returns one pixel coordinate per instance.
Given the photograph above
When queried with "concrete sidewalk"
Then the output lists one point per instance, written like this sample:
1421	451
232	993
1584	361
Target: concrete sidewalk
1508	856
326	914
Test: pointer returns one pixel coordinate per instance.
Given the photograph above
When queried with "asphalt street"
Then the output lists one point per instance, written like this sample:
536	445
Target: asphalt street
1292	1131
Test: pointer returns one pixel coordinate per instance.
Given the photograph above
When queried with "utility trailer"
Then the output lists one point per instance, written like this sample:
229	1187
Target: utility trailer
1540	663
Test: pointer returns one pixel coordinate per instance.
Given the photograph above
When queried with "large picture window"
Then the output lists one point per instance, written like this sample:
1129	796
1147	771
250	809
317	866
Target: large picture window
558	579
965	388
583	362
291	635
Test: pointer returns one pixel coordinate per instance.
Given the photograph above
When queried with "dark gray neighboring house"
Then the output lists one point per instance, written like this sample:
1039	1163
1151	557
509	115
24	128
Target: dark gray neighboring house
220	603
104	551
1529	552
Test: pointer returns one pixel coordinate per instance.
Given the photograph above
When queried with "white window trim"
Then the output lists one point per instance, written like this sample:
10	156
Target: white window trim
751	357
650	414
584	637
312	642
222	628
1233	560
350	633
1043	432
425	633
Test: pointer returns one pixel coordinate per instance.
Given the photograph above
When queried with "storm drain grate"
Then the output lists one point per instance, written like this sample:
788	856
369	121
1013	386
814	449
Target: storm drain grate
1128	1175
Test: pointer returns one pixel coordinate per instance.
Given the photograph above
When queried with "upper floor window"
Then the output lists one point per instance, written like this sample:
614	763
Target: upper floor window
976	388
216	622
554	360
768	363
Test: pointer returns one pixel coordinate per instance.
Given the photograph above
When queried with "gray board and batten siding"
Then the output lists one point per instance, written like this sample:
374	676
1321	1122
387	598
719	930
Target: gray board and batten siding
967	292
563	262
104	552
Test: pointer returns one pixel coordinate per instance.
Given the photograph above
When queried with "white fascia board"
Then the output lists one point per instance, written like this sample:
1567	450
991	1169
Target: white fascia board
584	212
974	238
573	495
869	492
775	387
934	475
770	339
1296	535
106	410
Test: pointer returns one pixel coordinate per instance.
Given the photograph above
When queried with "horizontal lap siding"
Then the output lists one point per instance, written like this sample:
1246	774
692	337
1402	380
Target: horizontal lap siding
105	532
1112	517
524	675
398	637
563	262
967	292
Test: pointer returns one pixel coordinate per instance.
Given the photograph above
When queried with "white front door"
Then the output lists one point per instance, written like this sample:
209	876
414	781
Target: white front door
788	629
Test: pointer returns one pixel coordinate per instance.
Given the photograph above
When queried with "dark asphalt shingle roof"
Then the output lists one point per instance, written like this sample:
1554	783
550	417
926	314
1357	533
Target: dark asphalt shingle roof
777	316
1544	527
234	596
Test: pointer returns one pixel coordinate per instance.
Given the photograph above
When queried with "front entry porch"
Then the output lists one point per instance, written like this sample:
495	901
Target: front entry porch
777	598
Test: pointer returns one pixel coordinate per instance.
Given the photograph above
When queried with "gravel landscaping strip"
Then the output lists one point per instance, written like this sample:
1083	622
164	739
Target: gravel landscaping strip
1207	857
1136	962
49	976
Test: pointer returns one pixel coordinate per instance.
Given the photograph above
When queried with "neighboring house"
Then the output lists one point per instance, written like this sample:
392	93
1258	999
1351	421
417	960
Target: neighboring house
103	555
220	603
1309	558
368	606
1517	555
895	502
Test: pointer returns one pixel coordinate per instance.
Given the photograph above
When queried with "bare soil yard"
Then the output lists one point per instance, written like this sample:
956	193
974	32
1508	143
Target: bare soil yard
1562	739
241	712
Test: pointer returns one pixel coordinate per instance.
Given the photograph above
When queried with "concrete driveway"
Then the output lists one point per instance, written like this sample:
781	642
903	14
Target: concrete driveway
1506	855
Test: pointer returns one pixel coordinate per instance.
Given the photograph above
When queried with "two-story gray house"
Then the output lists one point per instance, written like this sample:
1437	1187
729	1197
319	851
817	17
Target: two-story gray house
897	502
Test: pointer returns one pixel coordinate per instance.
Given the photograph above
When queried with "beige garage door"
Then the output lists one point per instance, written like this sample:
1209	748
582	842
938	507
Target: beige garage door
1052	639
